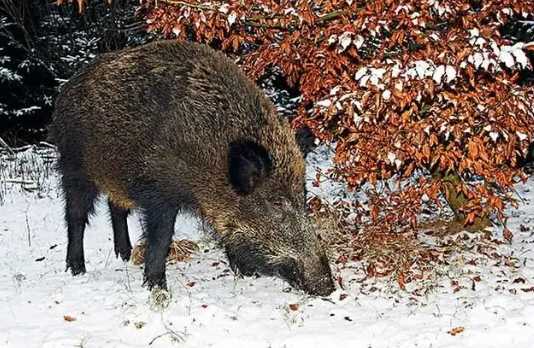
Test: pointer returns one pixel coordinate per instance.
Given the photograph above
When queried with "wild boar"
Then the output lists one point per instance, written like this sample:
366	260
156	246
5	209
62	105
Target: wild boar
169	127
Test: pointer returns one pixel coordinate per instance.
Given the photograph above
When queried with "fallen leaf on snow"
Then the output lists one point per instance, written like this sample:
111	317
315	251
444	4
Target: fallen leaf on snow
456	330
69	318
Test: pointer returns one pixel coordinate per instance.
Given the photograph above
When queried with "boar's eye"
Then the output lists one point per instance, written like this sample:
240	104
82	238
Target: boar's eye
249	164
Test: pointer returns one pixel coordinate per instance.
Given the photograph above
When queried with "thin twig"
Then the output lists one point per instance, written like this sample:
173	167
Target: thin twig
157	337
180	337
18	181
28	230
128	284
46	144
6	146
186	4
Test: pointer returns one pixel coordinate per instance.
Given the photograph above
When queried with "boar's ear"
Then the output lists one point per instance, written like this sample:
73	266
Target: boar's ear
249	164
305	140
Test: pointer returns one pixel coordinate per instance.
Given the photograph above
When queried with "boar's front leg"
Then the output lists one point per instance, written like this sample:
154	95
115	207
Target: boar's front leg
159	219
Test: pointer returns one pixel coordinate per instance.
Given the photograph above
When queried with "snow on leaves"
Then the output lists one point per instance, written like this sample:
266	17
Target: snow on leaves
8	75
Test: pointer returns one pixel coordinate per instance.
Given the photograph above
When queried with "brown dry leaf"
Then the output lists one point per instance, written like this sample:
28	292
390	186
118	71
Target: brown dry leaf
508	235
401	280
456	330
69	318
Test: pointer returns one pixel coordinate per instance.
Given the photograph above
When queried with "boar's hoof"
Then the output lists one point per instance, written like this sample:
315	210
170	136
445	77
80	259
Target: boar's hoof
76	267
125	254
155	281
180	250
160	298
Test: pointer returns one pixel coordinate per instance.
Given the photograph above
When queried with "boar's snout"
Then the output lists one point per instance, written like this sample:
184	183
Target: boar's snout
319	281
311	274
323	286
278	239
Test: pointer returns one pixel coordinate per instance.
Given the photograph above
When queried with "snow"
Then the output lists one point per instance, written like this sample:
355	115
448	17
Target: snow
374	75
332	39
421	68
439	8
363	80
212	308
360	73
507	58
324	103
519	55
176	31
404	8
358	41
345	40
224	8
438	73
477	59
232	18
486	56
450	72
513	57
8	75
391	157
28	110
521	136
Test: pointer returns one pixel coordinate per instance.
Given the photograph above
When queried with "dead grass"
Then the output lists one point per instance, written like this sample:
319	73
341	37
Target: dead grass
28	168
180	250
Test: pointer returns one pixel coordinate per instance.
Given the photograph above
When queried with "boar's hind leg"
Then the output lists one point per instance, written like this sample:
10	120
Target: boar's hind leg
121	239
159	221
80	195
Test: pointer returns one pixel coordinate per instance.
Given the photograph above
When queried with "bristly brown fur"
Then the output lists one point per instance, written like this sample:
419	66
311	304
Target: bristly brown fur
152	128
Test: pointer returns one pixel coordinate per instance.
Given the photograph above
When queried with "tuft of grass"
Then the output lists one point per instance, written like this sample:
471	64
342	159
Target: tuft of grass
28	168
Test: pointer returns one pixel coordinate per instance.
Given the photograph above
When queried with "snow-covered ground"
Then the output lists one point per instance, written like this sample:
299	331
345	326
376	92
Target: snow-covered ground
41	305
